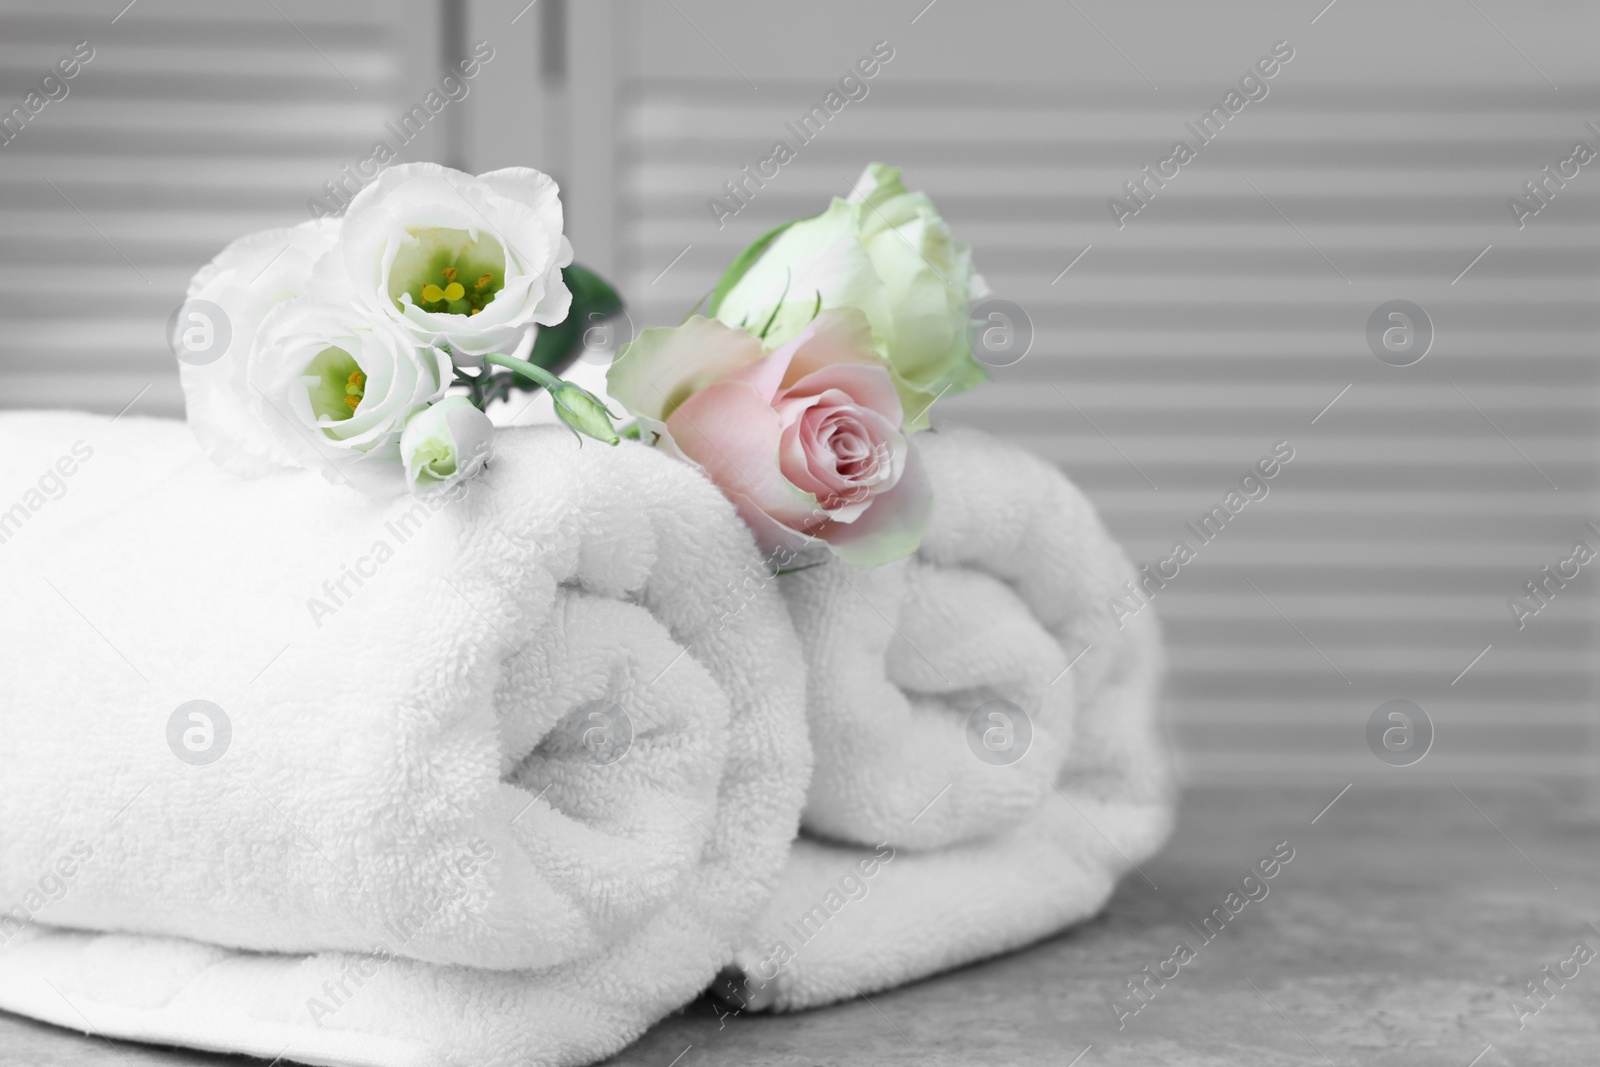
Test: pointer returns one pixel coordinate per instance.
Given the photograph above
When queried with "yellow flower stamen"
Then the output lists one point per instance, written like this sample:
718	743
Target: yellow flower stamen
431	293
454	291
355	388
483	282
449	274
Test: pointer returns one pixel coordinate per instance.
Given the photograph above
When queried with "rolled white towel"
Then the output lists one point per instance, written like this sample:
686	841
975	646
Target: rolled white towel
984	728
483	780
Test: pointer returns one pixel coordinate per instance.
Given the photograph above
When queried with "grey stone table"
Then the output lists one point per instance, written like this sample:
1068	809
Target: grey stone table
1402	932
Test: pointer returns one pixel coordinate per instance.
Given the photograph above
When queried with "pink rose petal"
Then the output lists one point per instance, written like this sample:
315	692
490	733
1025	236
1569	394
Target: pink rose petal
733	435
892	527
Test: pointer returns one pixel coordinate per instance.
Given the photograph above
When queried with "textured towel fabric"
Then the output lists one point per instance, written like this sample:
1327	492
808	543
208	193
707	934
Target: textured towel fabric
984	728
483	783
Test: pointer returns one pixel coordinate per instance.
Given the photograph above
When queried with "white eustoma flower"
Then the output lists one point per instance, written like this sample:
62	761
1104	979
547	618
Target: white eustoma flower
445	444
469	263
887	252
336	385
245	281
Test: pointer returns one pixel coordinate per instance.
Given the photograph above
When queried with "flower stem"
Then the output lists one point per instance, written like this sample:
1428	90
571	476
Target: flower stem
524	368
583	412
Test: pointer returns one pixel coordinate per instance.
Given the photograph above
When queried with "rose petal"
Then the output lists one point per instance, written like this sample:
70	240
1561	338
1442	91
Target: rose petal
869	387
835	336
893	526
811	467
816	255
733	435
663	367
766	375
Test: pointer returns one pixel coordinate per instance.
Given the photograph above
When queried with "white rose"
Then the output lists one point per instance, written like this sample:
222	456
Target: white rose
246	280
469	263
336	386
445	444
888	252
920	261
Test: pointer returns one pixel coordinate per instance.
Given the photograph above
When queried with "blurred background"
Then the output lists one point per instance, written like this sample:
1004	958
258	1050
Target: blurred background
1166	350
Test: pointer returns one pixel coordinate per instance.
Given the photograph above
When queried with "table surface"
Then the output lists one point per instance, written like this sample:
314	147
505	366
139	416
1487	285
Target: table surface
1398	934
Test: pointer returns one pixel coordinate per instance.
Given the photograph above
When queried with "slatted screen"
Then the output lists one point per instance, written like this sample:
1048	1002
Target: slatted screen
192	124
1227	315
1169	354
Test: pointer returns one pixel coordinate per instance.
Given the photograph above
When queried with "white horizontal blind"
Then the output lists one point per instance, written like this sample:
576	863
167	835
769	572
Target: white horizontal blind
193	124
1225	317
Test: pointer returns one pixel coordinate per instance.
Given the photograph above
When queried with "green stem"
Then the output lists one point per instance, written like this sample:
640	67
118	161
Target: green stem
582	411
524	368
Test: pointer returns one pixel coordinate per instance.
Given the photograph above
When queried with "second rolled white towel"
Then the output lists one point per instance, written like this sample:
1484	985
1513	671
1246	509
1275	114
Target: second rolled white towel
985	738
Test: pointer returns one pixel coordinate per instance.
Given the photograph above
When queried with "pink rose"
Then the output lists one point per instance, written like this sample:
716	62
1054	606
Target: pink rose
806	440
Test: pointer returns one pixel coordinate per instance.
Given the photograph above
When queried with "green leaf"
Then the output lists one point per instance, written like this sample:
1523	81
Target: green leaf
557	347
742	264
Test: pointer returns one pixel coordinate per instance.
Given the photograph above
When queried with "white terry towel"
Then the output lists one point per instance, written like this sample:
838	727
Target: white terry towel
984	732
416	843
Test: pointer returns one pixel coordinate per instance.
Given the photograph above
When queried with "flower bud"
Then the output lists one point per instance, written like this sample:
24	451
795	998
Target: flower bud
583	412
445	443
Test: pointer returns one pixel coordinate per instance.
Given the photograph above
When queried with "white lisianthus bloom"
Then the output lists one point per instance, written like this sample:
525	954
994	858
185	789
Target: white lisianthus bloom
473	264
246	280
336	385
445	444
887	252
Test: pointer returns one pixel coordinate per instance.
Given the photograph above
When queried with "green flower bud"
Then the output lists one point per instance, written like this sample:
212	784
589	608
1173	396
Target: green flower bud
583	412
